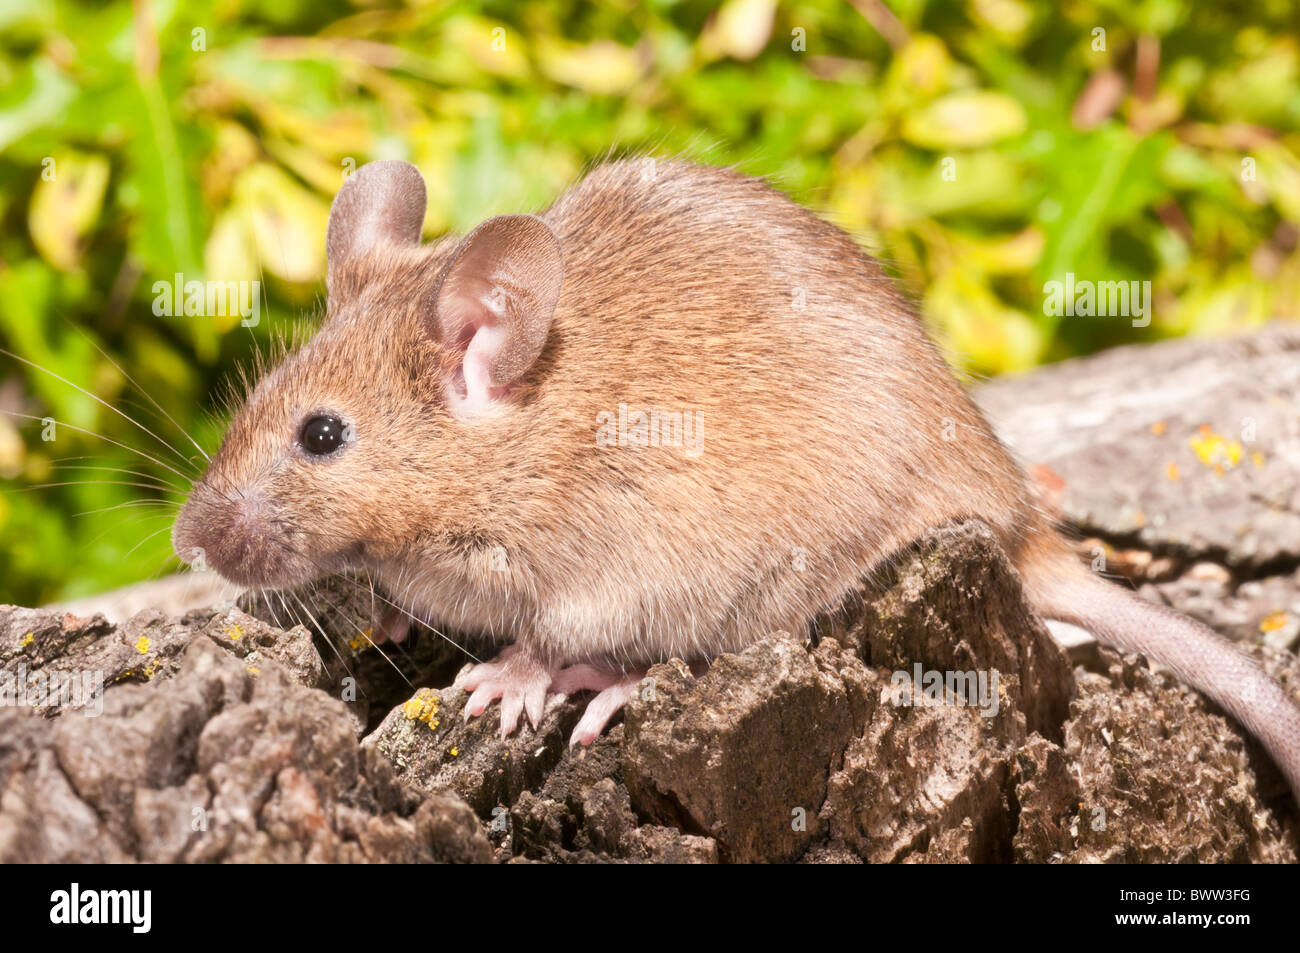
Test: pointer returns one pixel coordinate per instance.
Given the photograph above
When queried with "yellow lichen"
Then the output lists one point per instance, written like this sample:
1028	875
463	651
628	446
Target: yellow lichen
1171	471
26	640
253	671
1257	458
361	640
142	645
1158	427
1215	450
454	752
234	632
423	706
1273	621
152	668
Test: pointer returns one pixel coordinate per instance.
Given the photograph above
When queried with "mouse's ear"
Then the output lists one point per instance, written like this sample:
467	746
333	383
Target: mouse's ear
380	202
494	305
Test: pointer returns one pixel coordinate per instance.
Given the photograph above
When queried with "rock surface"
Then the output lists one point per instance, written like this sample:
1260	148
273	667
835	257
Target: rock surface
218	756
277	731
222	737
1180	464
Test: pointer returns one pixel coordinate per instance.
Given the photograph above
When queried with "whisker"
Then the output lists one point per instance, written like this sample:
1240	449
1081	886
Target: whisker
285	606
90	433
165	529
127	521
59	465
362	633
163	565
423	622
137	386
49	486
125	416
266	601
326	637
315	622
130	504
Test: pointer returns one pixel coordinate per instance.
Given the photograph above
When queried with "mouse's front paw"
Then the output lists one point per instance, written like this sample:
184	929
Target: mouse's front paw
515	677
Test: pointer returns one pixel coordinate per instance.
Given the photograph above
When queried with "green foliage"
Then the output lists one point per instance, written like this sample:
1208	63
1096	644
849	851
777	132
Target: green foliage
208	138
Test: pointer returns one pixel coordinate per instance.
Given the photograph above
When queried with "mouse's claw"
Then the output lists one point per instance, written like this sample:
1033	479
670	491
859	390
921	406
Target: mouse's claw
613	688
601	709
515	677
523	684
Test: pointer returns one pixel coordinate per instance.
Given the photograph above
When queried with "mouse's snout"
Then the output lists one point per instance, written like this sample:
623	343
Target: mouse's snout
240	535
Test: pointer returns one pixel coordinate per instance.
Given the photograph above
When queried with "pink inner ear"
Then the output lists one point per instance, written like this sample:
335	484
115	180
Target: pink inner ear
494	307
484	346
482	335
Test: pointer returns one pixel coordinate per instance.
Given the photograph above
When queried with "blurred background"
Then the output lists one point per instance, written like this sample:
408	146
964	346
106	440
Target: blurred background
981	148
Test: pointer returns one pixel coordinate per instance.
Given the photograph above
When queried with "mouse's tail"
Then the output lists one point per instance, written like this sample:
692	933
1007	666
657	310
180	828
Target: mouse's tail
1060	587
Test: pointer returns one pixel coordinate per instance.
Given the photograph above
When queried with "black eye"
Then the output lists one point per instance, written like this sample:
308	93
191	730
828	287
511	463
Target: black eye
321	435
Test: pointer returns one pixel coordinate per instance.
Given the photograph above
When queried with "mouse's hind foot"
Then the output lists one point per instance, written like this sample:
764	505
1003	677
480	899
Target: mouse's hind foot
613	691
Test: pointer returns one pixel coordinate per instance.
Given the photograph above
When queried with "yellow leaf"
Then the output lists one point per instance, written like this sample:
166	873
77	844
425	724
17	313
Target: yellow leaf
342	132
603	68
980	331
1279	175
1008	18
13	451
1002	255
740	29
965	120
235	150
494	47
319	172
228	256
286	222
919	71
65	205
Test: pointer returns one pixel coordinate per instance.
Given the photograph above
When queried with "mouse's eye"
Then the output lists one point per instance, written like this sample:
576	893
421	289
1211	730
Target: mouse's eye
322	434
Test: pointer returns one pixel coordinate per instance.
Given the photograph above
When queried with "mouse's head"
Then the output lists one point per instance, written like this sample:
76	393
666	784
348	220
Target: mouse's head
344	451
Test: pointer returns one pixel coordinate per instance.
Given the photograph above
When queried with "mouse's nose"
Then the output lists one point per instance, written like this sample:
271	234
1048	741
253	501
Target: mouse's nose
236	534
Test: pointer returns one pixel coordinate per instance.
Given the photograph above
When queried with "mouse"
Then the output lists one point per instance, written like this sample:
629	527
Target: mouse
665	417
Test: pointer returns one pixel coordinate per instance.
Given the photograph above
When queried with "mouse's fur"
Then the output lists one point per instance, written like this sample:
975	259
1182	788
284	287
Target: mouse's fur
831	433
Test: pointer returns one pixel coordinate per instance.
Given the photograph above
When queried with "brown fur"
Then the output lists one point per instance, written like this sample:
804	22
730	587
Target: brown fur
823	432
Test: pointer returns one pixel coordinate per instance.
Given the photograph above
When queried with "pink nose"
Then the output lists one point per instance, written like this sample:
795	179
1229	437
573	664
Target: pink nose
235	535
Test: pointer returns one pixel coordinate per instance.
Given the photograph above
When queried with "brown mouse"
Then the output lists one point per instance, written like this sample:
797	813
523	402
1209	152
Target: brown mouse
667	416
